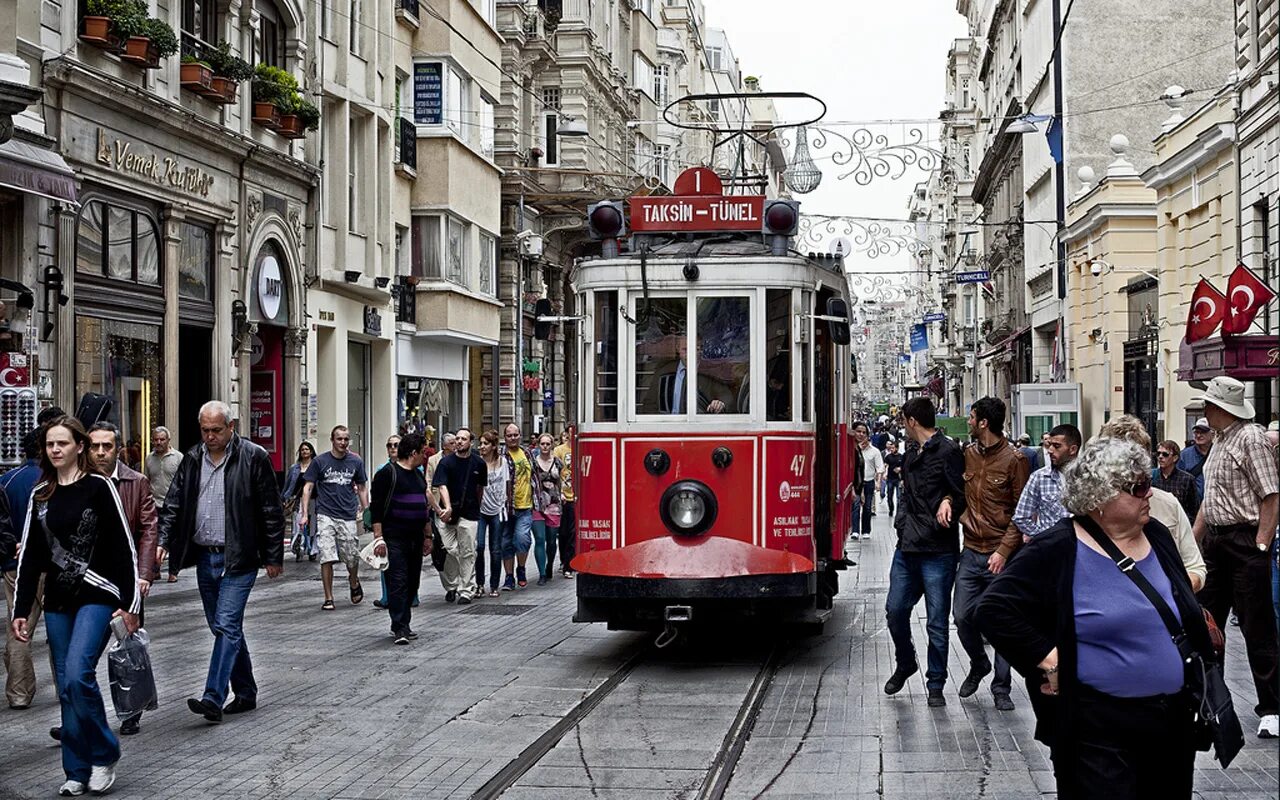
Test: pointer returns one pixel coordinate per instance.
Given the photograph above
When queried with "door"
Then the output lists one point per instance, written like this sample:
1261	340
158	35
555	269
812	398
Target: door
358	398
195	383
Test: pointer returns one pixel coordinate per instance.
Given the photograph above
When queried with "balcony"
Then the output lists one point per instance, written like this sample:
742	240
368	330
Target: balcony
406	146
407	12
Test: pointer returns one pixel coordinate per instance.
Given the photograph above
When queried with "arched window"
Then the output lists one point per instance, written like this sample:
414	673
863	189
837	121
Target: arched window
119	242
271	34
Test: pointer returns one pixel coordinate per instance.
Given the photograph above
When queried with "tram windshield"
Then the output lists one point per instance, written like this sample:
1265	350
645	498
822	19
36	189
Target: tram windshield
720	362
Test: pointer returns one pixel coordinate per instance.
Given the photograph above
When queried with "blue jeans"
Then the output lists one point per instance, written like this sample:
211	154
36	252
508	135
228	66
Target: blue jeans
76	642
867	504
972	579
224	595
891	488
519	536
912	575
496	533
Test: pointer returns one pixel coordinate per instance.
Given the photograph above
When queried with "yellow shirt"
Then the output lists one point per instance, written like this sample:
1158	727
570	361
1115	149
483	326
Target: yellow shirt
523	490
565	453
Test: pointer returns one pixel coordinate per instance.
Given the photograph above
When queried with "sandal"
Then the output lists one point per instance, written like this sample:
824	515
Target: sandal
357	594
328	606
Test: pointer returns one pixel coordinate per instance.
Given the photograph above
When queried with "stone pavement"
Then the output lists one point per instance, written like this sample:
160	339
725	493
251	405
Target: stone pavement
345	714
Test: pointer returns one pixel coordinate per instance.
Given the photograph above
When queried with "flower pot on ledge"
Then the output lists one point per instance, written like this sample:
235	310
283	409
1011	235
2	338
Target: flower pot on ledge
140	51
266	114
97	30
222	90
290	127
196	77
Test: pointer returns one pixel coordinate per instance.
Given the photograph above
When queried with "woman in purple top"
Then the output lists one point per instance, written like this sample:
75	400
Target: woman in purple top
1105	679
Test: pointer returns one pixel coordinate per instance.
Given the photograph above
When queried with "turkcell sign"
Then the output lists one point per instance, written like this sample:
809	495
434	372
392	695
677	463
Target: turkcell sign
978	276
935	316
696	213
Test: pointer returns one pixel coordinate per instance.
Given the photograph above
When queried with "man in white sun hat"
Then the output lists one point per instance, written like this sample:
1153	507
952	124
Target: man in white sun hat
1235	527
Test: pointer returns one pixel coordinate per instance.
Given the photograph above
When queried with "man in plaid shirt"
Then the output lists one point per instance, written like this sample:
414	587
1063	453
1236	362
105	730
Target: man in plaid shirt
1040	506
1235	527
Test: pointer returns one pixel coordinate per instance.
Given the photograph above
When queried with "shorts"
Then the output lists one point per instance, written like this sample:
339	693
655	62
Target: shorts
338	540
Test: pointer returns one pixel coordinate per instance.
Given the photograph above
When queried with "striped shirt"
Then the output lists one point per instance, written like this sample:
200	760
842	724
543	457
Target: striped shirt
1238	474
1040	506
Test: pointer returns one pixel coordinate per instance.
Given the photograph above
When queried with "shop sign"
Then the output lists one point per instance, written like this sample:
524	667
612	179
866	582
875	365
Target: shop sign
975	276
935	316
1245	358
548	398
15	370
122	156
428	93
372	321
270	287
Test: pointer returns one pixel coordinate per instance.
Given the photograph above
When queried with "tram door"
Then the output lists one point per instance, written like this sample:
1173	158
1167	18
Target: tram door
824	432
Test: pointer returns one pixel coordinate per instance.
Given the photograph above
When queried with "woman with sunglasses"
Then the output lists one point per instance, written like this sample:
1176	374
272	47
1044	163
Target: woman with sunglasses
1105	678
1177	482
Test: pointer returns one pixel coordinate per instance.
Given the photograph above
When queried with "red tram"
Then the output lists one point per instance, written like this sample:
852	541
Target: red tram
714	462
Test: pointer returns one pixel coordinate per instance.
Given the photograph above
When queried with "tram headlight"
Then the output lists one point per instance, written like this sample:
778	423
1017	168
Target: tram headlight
688	508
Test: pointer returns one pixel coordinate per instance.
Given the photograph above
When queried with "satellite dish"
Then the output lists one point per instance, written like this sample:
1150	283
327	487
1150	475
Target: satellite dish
840	246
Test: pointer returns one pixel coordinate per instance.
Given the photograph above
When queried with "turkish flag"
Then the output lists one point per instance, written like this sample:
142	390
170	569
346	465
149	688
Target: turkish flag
1208	308
1247	295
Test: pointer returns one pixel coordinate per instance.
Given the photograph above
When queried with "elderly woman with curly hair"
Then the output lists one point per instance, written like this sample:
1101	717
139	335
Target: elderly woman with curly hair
1105	679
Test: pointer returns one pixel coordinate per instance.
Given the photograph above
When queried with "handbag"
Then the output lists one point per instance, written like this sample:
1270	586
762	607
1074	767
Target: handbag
1216	720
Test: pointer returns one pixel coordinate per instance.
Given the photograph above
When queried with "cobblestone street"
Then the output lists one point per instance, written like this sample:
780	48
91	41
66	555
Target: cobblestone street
346	714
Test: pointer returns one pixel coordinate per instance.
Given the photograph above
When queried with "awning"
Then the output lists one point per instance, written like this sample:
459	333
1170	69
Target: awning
1004	344
35	170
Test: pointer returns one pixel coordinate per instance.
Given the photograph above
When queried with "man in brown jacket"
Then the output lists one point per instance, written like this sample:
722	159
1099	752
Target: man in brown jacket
105	449
994	473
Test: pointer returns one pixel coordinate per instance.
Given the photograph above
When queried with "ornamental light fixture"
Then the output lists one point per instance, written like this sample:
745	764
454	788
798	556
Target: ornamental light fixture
573	127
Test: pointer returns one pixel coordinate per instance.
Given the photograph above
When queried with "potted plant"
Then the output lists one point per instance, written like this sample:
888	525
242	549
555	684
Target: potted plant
272	88
196	75
228	72
107	22
147	41
290	126
308	114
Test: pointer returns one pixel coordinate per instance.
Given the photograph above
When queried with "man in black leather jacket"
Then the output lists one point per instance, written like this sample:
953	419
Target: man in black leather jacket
223	516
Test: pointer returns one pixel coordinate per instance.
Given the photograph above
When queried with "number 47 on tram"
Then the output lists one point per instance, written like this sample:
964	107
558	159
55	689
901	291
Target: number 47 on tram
714	463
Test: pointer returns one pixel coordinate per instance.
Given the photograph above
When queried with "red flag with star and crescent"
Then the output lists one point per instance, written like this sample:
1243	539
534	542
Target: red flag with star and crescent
1208	309
1246	296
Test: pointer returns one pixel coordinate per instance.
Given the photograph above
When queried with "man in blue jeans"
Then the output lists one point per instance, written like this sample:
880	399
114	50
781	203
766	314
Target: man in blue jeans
924	563
869	481
223	517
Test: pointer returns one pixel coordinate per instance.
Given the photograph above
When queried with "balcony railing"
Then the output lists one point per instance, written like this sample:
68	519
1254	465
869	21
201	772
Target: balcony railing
407	140
406	301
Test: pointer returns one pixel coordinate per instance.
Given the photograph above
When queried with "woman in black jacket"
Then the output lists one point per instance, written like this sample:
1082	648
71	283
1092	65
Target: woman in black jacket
76	532
1105	679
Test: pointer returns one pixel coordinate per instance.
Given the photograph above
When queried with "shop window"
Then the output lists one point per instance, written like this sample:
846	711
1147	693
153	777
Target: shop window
122	360
118	242
195	261
606	357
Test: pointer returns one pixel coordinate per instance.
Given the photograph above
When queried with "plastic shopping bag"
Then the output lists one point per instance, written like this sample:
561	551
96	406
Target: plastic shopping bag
371	558
133	686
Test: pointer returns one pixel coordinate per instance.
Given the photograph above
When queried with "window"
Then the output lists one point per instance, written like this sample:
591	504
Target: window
486	126
271	34
326	19
714	58
457	252
777	354
723	361
457	104
713	109
353	180
441	96
662	84
200	19
488	263
550	138
644	7
606	357
355	33
662	163
424	259
964	93
118	242
643	160
642	75
662	350
195	261
488	10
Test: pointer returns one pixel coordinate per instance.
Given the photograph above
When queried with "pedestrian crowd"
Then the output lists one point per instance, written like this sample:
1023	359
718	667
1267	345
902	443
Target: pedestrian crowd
83	537
1101	575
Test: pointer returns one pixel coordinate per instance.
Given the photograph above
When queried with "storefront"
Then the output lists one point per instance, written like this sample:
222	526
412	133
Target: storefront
182	265
434	384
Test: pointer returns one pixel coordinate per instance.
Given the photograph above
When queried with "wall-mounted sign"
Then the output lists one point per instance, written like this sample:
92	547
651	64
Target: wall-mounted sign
919	338
977	276
15	370
123	156
256	350
270	287
372	321
428	94
935	316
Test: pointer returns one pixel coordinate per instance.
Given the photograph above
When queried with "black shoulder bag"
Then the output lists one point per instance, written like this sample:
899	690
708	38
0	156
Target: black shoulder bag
1216	721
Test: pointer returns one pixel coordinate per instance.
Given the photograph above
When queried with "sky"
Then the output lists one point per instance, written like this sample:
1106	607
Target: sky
868	60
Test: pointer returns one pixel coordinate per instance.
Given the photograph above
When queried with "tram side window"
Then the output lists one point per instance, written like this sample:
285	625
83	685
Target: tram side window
662	344
777	368
606	343
724	355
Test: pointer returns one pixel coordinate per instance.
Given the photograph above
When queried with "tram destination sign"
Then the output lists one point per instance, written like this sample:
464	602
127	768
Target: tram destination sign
697	213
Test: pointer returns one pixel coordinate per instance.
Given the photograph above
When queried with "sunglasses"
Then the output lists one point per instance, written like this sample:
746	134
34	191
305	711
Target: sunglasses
1163	454
1140	487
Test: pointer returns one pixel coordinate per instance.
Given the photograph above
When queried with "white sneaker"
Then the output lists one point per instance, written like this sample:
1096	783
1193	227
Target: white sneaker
866	536
71	789
1269	727
101	778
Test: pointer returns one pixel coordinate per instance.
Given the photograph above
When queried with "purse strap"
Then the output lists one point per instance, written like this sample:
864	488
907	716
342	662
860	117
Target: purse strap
1130	568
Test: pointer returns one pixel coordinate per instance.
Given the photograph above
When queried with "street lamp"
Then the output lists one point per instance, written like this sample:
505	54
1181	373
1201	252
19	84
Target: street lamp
573	127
